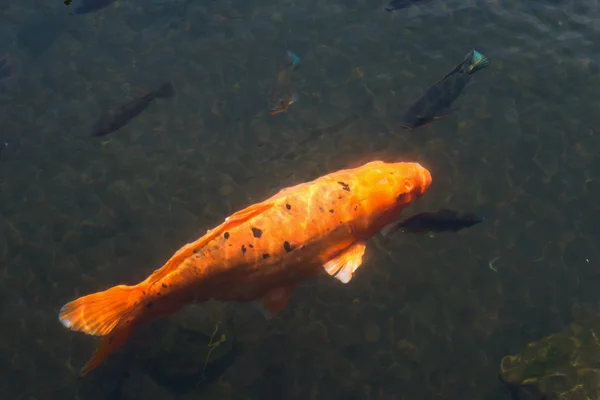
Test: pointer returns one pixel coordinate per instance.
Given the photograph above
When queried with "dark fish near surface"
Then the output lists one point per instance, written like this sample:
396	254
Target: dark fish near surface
399	4
79	7
115	120
283	95
434	222
436	102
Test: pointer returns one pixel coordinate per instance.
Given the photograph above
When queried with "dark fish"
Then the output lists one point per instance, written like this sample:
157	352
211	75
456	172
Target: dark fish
431	223
436	102
7	71
283	95
115	120
87	6
399	4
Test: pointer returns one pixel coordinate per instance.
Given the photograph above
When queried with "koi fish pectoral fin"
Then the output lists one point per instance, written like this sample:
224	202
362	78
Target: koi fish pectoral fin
343	265
275	301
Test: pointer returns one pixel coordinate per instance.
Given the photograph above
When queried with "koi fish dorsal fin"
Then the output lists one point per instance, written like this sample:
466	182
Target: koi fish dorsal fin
181	254
343	265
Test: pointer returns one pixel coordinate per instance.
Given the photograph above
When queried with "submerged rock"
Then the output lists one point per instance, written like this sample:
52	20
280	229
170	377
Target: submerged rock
565	365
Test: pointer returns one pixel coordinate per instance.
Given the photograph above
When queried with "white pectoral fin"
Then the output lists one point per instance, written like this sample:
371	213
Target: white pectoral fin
343	265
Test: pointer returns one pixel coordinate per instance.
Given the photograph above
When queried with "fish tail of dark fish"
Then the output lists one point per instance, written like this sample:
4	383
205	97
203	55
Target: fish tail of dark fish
475	61
292	60
166	90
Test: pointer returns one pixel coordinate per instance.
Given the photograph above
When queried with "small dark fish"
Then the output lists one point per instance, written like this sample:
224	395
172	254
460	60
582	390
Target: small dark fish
430	223
115	120
436	102
399	4
283	95
7	71
87	6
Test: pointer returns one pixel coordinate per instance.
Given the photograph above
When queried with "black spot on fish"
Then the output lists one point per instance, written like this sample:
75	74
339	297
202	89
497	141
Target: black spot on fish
288	206
345	186
321	209
251	246
243	249
331	211
149	305
163	285
196	251
265	256
256	232
287	246
226	235
144	292
355	207
339	198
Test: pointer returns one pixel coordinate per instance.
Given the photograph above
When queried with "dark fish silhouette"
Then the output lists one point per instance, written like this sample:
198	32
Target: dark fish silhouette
436	102
114	120
399	4
430	223
79	7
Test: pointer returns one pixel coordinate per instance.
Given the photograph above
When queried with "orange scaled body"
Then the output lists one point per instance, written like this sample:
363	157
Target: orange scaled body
260	252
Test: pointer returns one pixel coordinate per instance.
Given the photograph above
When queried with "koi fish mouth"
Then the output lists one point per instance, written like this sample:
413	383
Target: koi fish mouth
425	177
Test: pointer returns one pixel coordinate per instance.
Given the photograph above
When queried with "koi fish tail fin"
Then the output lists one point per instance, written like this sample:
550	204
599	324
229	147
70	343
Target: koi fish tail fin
108	344
476	61
111	314
166	90
99	313
292	60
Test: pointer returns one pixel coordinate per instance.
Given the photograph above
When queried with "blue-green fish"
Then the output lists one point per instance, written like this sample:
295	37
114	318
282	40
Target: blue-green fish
436	101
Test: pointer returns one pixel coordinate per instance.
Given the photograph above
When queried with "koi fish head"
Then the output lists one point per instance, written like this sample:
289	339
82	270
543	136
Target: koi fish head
395	185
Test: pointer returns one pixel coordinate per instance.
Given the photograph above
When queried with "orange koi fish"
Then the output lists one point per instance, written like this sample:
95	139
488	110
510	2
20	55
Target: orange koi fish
259	253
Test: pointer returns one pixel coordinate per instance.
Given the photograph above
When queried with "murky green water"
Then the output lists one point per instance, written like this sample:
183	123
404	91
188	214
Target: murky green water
425	318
